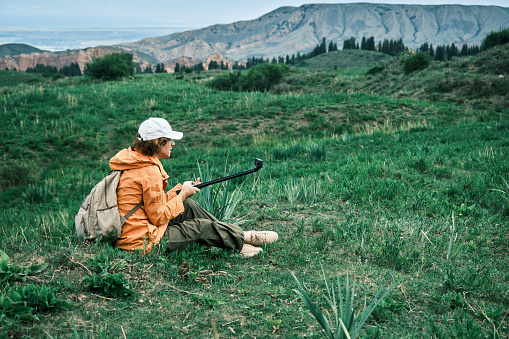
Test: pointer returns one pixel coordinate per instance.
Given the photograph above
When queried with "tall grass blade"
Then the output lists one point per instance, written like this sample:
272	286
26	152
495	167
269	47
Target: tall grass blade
347	322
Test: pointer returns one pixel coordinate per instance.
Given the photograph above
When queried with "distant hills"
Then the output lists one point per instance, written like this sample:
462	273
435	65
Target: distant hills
17	49
289	30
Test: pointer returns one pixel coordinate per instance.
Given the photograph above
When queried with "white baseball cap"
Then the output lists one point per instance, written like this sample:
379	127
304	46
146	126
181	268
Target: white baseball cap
155	128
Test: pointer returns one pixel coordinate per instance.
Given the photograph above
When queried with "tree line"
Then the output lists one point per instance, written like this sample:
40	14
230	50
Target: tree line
447	52
160	68
390	47
294	59
72	70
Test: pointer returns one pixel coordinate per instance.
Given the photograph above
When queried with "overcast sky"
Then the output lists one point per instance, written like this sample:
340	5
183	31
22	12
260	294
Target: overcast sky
31	14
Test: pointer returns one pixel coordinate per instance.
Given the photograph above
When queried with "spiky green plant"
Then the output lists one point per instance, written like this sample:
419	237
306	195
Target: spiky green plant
346	321
220	201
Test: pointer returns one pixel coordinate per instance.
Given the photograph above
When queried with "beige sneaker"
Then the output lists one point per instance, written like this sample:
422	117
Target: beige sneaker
249	251
258	238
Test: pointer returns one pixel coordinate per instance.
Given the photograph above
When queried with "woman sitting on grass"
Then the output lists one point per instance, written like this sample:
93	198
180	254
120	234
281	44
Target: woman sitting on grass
170	215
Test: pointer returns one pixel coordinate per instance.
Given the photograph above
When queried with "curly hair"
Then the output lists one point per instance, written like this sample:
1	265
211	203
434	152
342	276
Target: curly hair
149	147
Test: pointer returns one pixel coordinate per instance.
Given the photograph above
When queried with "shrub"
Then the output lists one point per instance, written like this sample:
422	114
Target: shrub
111	66
375	70
225	82
416	62
263	77
495	38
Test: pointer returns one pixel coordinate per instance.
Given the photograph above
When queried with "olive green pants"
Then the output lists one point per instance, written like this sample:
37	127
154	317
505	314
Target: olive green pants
196	225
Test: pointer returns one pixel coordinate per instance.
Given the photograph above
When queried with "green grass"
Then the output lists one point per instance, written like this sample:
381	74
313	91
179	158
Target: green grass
359	182
344	59
478	83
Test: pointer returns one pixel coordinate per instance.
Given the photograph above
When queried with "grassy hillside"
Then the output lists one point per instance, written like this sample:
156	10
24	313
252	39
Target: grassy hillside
344	59
479	82
17	49
380	185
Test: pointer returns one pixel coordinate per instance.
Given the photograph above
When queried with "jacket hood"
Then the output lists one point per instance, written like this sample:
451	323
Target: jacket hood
128	159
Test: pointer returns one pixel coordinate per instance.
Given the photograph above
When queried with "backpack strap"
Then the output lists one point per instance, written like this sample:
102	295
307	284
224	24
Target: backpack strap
135	208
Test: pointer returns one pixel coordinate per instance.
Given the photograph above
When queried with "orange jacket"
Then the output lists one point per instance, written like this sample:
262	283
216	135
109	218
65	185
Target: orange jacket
144	178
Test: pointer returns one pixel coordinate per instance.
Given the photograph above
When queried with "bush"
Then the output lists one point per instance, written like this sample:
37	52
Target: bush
416	62
495	38
375	70
226	82
111	66
261	77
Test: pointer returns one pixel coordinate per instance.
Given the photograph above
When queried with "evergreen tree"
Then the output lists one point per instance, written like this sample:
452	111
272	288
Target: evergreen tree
71	70
77	69
440	54
363	44
454	51
198	67
349	43
475	50
464	50
323	46
213	65
239	67
424	47
177	68
41	68
331	46
371	44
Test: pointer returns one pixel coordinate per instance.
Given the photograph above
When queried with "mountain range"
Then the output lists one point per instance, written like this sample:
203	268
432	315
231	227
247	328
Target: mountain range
299	29
289	30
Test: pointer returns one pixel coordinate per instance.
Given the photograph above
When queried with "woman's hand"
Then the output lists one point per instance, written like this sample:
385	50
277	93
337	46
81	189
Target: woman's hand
188	189
192	183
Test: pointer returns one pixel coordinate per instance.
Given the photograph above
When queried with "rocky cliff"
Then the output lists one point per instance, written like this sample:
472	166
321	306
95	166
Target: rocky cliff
59	59
23	61
299	29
